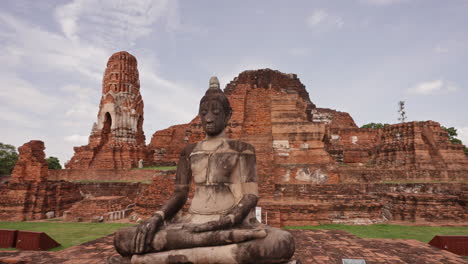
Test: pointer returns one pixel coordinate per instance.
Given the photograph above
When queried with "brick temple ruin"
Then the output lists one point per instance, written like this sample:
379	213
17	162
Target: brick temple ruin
314	165
117	139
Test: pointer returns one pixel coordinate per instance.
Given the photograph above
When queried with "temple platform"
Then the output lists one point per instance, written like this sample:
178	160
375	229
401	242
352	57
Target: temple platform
312	246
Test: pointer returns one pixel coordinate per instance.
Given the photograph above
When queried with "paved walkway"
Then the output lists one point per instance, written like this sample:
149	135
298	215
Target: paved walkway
312	246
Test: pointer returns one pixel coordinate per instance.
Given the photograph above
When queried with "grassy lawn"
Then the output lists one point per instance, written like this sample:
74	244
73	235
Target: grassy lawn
163	168
67	234
421	233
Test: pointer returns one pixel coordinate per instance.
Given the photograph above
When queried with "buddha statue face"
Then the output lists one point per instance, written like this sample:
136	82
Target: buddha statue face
213	116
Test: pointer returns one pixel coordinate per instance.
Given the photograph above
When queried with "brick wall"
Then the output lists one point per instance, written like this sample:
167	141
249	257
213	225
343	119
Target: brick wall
31	200
102	174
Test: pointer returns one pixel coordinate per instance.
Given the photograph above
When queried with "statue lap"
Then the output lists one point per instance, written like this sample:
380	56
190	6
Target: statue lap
276	247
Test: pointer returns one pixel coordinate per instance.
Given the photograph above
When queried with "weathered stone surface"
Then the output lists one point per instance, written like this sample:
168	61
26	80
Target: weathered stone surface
117	139
141	175
31	165
99	207
29	195
31	200
360	203
335	245
410	146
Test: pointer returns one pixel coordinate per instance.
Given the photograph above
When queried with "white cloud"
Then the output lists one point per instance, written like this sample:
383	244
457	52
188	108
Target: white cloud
12	118
463	134
24	95
67	17
320	18
433	87
68	65
77	139
114	24
382	2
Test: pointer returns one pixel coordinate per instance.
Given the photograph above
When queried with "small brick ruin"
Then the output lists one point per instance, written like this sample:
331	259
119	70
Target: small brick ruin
30	195
117	139
31	165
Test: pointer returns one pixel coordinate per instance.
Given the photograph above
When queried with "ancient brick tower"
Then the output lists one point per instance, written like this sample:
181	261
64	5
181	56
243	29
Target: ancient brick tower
117	139
297	142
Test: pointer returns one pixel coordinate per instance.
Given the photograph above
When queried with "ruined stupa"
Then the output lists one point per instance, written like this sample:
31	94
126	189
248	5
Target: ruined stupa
117	139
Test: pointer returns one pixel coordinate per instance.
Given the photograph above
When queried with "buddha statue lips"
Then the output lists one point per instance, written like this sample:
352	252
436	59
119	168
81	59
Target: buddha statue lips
220	225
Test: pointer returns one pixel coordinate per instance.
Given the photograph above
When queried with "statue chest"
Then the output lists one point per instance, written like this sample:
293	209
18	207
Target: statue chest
213	168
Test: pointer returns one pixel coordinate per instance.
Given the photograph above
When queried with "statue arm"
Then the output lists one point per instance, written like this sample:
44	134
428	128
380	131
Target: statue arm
182	187
148	228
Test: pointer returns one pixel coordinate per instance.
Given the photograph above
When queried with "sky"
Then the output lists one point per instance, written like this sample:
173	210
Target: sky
356	56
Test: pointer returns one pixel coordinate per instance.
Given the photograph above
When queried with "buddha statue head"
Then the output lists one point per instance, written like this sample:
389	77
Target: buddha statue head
215	110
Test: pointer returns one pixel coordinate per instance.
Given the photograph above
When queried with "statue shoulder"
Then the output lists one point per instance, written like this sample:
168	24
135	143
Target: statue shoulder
188	149
241	147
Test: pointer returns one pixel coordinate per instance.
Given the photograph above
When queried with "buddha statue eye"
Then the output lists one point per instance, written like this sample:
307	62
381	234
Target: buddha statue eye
203	112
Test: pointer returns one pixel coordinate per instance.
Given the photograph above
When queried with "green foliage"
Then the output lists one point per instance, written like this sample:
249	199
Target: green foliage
452	134
53	163
374	125
466	151
421	233
67	234
8	158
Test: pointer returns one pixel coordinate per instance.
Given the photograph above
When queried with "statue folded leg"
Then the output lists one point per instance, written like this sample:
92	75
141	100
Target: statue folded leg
178	238
276	247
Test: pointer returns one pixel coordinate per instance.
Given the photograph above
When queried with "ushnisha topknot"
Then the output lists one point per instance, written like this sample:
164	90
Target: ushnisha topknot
214	92
214	83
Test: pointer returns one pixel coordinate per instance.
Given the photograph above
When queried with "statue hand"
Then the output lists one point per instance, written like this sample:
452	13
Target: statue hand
223	223
145	234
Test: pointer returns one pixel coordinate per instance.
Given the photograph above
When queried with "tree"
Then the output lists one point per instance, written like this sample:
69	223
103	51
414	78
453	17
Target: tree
402	111
53	163
8	158
374	125
452	134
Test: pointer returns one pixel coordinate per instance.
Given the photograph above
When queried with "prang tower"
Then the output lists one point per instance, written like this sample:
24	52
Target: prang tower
117	139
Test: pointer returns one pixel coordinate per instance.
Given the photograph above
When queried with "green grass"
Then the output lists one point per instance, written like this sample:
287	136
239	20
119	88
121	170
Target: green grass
421	233
67	234
163	168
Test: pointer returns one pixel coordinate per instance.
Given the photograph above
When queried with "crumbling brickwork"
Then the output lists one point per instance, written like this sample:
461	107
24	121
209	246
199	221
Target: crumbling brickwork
273	112
316	166
29	195
296	142
31	165
117	139
32	200
131	175
96	207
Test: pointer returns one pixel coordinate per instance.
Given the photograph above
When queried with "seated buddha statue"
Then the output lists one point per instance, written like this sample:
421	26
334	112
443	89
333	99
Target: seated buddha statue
220	225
